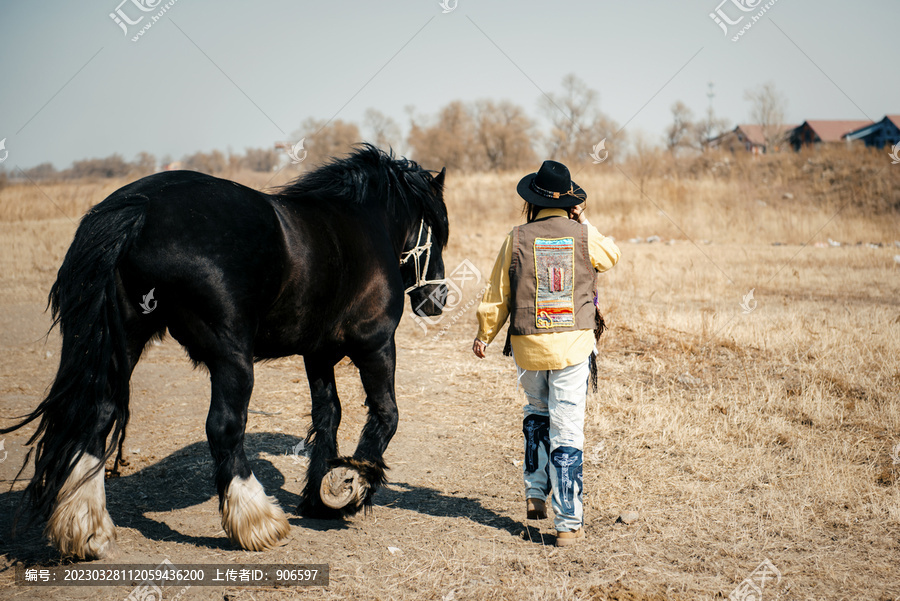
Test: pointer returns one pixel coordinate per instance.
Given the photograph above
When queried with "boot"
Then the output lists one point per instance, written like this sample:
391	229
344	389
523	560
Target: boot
567	539
536	509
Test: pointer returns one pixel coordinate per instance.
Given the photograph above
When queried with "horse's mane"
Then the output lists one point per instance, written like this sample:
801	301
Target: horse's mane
369	174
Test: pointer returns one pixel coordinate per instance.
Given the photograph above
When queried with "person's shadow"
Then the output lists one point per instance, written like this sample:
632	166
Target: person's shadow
184	479
432	502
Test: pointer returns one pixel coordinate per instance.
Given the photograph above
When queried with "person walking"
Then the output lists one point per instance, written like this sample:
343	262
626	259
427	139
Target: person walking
544	281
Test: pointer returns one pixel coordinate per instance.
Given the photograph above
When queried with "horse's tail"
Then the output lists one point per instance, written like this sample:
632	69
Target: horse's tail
88	400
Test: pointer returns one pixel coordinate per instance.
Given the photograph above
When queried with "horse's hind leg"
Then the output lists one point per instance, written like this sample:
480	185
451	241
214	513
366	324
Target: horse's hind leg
250	518
79	524
353	481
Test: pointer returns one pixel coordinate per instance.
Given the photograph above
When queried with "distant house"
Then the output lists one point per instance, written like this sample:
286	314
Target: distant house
750	138
814	133
886	131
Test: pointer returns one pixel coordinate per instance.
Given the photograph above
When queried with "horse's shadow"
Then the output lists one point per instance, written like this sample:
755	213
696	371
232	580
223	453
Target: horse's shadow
184	479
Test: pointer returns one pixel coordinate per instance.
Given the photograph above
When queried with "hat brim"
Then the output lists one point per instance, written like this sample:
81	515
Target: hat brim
563	202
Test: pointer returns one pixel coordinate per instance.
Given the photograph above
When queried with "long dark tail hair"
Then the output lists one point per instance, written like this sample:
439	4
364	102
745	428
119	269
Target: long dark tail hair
89	397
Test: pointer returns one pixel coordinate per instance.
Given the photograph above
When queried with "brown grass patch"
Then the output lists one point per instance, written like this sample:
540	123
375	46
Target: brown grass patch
736	436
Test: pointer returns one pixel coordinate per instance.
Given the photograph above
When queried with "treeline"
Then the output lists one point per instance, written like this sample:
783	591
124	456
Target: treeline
489	135
482	135
115	166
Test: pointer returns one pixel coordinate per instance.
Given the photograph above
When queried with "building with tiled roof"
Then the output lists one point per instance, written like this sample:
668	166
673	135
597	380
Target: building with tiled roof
824	132
879	134
750	137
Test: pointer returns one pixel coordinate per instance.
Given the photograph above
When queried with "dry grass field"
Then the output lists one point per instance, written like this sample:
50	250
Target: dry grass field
737	435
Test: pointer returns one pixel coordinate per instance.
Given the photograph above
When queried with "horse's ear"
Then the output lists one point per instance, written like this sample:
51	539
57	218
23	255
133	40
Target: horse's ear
438	181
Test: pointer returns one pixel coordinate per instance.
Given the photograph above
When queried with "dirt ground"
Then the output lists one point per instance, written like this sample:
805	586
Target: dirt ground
732	452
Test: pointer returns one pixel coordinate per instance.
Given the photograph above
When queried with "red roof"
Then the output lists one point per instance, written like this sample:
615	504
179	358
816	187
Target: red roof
895	119
754	133
833	131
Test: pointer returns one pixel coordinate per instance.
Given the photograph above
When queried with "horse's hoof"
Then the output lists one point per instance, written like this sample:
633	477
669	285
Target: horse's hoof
77	544
342	486
79	526
250	518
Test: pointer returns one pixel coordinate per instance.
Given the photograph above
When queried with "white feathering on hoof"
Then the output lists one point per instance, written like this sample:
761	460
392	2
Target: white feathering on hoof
251	518
79	525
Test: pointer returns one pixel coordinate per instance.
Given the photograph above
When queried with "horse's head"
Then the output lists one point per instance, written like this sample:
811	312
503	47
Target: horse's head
421	263
416	216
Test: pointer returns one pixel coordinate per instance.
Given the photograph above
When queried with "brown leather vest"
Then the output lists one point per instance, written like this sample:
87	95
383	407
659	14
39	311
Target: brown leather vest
551	278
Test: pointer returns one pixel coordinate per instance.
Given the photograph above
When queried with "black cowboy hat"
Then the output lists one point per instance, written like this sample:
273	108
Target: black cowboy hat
551	186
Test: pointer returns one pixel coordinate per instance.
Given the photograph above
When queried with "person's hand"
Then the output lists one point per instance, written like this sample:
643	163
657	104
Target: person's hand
577	213
478	347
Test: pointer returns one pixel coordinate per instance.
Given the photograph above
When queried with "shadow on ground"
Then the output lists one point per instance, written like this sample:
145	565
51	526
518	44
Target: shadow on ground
184	479
432	502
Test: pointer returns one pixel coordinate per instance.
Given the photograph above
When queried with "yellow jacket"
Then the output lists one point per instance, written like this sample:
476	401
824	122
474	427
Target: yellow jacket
552	350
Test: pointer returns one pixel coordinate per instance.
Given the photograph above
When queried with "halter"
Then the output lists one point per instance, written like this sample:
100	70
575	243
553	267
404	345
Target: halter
416	253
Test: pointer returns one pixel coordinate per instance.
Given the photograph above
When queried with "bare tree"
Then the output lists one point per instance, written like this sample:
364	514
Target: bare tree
42	171
213	162
385	133
645	160
681	134
569	113
504	133
260	159
111	166
709	128
449	142
144	164
236	162
767	107
577	124
324	140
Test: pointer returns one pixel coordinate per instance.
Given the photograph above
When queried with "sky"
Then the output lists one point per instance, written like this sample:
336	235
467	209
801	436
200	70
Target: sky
230	75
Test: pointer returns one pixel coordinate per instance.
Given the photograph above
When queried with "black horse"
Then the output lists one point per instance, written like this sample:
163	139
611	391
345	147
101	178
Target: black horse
319	269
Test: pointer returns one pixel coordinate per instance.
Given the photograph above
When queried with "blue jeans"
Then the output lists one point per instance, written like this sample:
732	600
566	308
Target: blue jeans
554	439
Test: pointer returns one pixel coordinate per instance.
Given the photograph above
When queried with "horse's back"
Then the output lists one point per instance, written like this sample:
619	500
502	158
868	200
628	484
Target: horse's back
296	275
209	248
204	211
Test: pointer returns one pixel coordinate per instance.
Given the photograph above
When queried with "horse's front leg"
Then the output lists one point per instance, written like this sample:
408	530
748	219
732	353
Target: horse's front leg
353	481
250	518
322	438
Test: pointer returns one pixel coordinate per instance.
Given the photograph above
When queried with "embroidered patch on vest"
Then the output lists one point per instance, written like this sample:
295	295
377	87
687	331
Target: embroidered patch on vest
554	262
